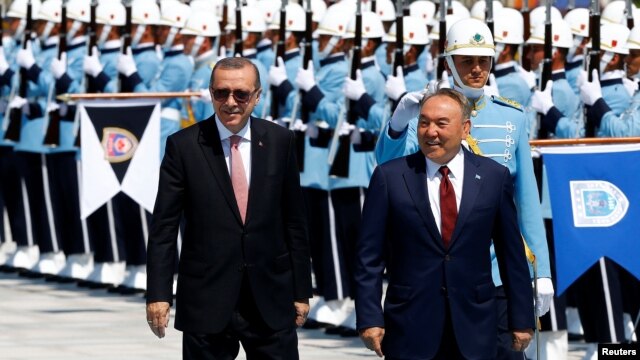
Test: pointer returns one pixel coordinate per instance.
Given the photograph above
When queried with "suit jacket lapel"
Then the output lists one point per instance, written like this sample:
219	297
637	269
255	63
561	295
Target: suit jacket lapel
211	146
259	160
470	189
416	180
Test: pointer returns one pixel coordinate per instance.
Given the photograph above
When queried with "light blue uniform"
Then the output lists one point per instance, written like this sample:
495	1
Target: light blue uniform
202	109
147	63
266	55
381	59
572	70
511	85
414	79
263	106
500	129
613	125
287	91
107	80
174	77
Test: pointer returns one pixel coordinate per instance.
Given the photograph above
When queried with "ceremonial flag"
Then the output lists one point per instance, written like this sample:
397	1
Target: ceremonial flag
595	201
120	151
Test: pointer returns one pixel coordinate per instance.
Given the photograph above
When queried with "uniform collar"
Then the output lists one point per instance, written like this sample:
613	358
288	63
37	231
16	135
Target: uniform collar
573	65
75	46
171	53
290	55
503	71
249	53
557	75
332	59
610	82
142	49
409	69
262	48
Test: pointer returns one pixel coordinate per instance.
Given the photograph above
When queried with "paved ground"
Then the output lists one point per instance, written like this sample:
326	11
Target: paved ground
43	320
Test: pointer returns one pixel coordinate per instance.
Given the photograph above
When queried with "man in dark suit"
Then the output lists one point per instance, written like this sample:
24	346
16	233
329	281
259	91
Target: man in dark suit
244	274
429	219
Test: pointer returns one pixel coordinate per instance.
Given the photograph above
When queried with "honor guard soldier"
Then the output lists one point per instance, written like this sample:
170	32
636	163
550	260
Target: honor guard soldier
199	36
252	27
559	96
14	190
323	98
264	48
386	10
498	131
425	10
578	20
283	73
101	63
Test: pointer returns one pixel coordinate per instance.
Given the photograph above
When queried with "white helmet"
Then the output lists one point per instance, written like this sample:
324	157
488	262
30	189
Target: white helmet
201	24
111	13
371	27
538	16
613	38
79	10
174	14
318	9
252	20
469	37
435	25
614	13
205	6
386	10
50	10
633	42
458	9
295	18
423	9
18	9
335	20
269	8
561	35
578	20
145	12
479	7
414	32
508	26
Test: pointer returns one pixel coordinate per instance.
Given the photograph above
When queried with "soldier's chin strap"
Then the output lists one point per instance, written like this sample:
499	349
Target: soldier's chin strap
197	43
604	60
74	29
172	35
577	40
328	48
135	40
46	31
468	91
20	30
106	29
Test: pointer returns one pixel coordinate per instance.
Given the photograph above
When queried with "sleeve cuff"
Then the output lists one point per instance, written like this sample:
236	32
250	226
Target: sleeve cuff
323	139
363	105
5	79
312	98
550	121
130	82
367	143
282	92
35	111
101	81
596	112
62	84
34	73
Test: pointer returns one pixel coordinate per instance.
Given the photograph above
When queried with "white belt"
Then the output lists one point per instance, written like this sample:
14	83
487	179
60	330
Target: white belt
170	114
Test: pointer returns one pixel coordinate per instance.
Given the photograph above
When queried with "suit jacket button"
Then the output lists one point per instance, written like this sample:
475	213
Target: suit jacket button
447	257
443	290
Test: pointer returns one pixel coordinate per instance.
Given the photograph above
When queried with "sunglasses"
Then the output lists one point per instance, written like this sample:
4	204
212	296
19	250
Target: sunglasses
240	96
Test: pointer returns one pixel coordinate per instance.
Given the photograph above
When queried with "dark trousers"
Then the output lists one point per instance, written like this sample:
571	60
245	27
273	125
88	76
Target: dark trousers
246	327
12	196
556	318
505	338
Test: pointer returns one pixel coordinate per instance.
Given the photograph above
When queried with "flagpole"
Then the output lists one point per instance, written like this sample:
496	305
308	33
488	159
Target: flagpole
120	96
585	141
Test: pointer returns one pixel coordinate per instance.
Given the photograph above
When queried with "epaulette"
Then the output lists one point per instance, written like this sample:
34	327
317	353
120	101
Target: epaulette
507	102
212	65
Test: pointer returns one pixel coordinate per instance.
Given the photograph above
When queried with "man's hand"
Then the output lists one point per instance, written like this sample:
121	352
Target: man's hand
372	339
521	339
302	310
544	297
158	317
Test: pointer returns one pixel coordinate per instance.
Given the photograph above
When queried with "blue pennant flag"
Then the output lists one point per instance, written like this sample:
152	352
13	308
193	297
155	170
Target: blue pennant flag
595	201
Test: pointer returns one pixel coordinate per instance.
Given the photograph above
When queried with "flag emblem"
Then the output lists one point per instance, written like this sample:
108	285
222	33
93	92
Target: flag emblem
477	39
597	203
119	144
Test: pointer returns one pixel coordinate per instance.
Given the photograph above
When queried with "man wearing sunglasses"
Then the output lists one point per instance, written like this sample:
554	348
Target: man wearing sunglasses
244	274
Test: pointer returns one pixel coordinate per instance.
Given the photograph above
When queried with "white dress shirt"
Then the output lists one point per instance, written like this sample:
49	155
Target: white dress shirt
244	146
456	175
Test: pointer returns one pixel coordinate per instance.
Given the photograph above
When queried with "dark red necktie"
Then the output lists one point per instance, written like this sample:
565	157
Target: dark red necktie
448	209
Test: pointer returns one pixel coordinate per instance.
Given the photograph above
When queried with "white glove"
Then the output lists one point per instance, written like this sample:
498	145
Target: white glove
581	78
59	66
91	64
408	108
205	95
354	89
17	102
590	92
305	78
395	87
529	77
544	297
542	101
222	52
53	106
277	73
4	65
25	58
311	131
126	65
491	88
630	85
355	137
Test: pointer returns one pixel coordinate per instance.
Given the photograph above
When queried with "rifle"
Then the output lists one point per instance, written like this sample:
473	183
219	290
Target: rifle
526	62
373	6
398	59
629	12
15	117
1	25
279	53
238	44
92	39
594	55
546	63
489	20
442	38
52	136
126	36
338	158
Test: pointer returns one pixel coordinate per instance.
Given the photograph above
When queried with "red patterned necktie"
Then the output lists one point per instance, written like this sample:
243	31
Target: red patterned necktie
238	176
448	209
